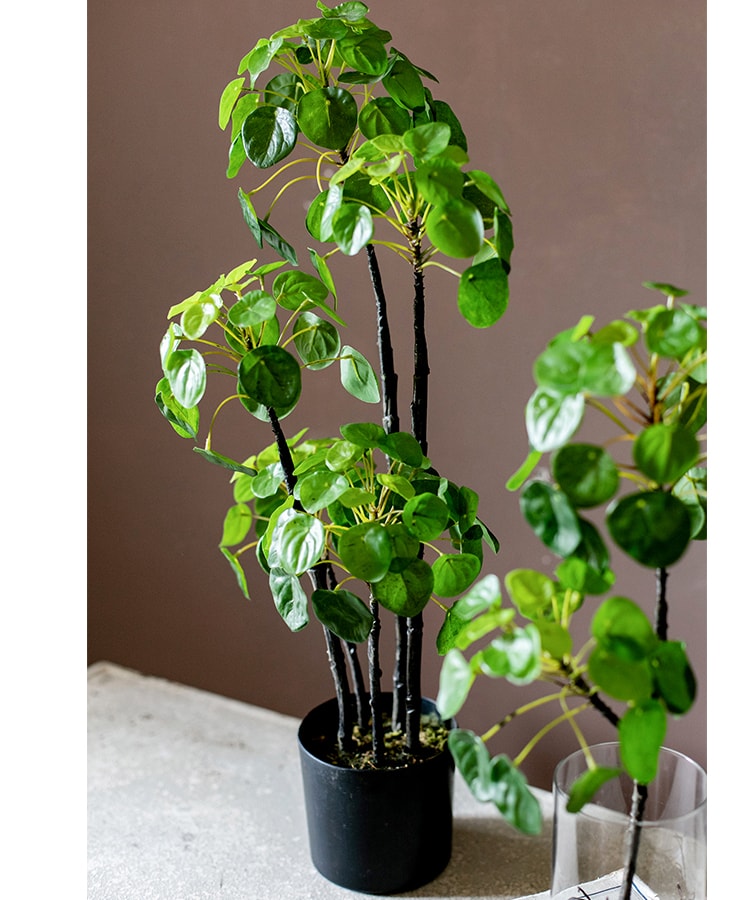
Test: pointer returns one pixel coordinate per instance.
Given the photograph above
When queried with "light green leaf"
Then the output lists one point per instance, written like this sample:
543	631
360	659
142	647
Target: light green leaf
358	377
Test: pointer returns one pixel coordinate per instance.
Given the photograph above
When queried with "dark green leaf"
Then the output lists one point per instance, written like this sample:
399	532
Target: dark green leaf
343	613
454	573
674	676
383	116
665	452
253	309
270	376
184	421
404	447
652	527
586	473
237	569
328	117
365	53
269	134
316	490
224	461
407	592
672	333
552	518
404	84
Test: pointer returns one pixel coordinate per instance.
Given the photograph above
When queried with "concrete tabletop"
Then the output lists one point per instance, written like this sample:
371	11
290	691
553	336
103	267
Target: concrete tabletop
193	796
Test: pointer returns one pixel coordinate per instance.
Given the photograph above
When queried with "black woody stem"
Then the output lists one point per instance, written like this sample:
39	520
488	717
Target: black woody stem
373	646
661	603
419	430
638	805
319	576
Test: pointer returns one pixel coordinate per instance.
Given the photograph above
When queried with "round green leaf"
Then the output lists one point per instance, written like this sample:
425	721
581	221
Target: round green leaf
456	678
269	134
552	518
439	180
292	289
405	593
623	629
343	613
253	309
692	489
365	53
237	523
552	418
456	228
317	489
454	573
652	527
317	341
425	141
270	376
587	474
404	84
186	373
366	551
383	116
364	434
426	516
621	679
530	591
404	447
405	546
672	333
665	452
283	90
483	293
342	455
328	117
299	540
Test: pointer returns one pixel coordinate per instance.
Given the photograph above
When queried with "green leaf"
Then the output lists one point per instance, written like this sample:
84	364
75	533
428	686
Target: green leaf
283	90
366	551
675	679
224	461
484	595
456	228
642	731
324	272
343	613
269	134
317	341
439	180
456	679
186	373
279	244
652	527
250	216
426	141
289	598
404	447
622	628
405	546
237	522
483	293
228	98
515	656
672	333
397	484
442	112
294	289
665	452
569	367
487	185
364	434
552	418
365	53
328	117
406	592
454	573
426	516
270	376
383	116
358	377
586	473
668	290
342	455
316	490
692	490
551	517
299	540
579	575
517	479
253	309
236	566
404	84
584	788
625	680
530	591
352	227
184	421
349	11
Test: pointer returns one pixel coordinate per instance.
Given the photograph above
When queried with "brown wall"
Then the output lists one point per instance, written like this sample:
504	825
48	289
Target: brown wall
591	115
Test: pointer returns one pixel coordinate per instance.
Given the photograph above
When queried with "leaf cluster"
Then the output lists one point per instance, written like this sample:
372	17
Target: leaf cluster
646	375
354	104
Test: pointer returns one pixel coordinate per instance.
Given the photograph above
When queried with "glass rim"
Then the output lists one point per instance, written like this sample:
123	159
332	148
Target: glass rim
653	823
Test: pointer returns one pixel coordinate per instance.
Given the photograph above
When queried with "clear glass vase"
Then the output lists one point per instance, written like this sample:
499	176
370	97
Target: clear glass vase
590	847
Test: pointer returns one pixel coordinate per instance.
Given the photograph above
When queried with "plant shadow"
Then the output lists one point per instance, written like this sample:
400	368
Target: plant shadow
491	859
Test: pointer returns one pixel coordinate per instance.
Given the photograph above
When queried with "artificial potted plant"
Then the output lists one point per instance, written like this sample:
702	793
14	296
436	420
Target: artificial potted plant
638	485
328	105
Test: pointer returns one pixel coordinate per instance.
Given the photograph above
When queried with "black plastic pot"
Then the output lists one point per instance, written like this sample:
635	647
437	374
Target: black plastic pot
379	831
